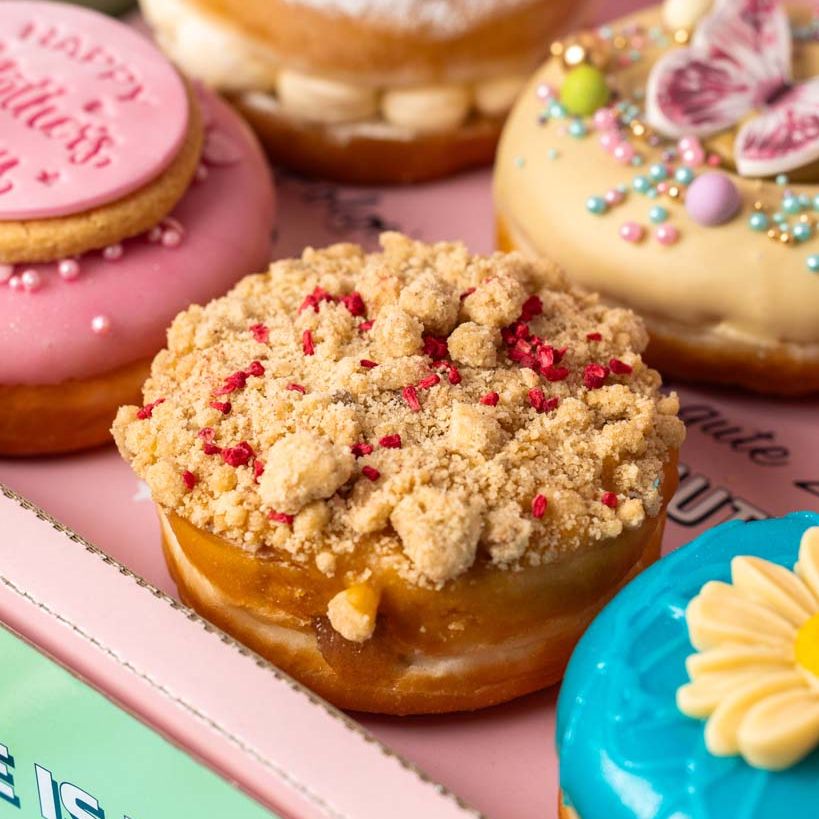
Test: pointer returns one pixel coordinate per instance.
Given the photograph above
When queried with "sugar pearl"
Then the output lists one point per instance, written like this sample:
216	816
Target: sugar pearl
201	173
6	272
68	269
684	175
16	282
614	197
31	280
667	234
596	205
113	253
623	152
154	235
171	238
658	214
610	140
813	263
631	232
100	325
604	119
712	199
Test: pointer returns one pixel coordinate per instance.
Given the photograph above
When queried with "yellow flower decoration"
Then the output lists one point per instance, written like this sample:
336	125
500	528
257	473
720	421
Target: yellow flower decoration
755	676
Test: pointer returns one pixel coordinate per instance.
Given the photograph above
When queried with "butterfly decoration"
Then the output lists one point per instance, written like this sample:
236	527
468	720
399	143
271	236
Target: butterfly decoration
737	69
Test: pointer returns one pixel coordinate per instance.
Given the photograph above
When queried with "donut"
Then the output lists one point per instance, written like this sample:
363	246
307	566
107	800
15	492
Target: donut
118	191
657	186
408	478
383	91
696	691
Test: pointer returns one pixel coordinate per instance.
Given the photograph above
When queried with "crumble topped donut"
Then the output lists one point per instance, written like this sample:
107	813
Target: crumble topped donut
411	477
372	92
675	172
116	189
714	713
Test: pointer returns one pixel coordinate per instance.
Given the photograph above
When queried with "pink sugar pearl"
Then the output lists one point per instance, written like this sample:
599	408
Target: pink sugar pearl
614	197
171	238
631	232
31	280
691	151
667	234
68	269
604	119
624	152
610	140
113	253
16	282
100	325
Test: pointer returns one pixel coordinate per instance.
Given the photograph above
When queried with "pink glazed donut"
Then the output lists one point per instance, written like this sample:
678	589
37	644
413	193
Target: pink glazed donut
77	334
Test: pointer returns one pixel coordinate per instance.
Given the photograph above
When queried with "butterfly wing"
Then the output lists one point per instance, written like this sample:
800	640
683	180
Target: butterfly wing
785	136
739	55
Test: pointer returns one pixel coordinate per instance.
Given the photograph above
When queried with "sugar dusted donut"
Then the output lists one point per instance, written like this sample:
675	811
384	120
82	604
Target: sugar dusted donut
410	478
665	193
375	91
696	691
118	207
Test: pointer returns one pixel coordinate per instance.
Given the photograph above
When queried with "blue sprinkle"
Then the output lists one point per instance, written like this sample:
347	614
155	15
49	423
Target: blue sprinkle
802	232
758	221
790	204
658	172
813	263
781	179
596	205
641	184
779	218
553	153
684	175
578	129
658	214
519	161
637	161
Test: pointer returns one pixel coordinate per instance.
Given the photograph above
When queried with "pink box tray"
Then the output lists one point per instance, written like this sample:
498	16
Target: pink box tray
746	457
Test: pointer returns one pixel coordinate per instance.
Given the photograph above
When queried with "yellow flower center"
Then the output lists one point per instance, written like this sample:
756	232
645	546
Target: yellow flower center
807	646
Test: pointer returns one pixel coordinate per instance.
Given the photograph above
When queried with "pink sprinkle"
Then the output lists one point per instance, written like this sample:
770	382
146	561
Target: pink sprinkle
113	253
370	473
604	119
260	333
410	395
539	504
490	399
662	187
691	151
609	499
31	280
631	232
68	269
223	406
367	364
171	238
594	336
429	381
280	517
545	91
307	343
190	480
296	388
594	375
614	197
101	325
620	367
361	449
623	152
390	441
6	272
16	283
667	234
714	160
610	140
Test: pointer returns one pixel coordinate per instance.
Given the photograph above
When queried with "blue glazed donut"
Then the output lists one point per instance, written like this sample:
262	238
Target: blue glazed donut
625	748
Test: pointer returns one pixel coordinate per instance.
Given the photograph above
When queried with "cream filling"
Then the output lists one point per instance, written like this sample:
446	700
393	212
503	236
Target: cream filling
232	61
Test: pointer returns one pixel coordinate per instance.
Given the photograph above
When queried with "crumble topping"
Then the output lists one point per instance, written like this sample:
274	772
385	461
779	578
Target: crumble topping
420	409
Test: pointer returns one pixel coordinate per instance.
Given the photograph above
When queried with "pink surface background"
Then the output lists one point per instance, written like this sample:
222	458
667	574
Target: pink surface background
745	457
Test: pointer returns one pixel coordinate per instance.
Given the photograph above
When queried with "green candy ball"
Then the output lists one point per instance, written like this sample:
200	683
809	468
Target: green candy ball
584	90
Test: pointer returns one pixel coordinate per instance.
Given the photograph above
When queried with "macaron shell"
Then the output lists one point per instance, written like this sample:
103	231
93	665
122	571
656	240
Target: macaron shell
46	336
625	749
80	99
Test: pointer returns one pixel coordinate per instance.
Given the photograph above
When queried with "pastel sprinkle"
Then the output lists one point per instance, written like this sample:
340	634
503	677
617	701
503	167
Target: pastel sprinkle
684	175
658	172
631	232
596	205
667	234
658	214
101	325
758	221
802	232
813	263
781	179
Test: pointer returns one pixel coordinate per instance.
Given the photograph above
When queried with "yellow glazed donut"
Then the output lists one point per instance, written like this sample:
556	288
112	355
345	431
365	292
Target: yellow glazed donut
374	91
410	478
639	196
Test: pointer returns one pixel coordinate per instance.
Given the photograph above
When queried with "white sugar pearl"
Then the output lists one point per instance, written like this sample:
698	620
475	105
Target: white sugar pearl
100	325
68	269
